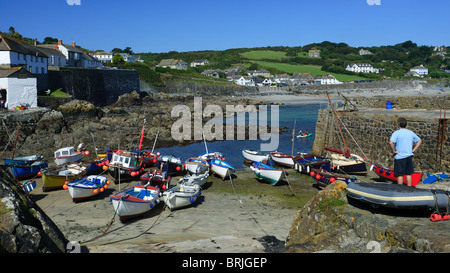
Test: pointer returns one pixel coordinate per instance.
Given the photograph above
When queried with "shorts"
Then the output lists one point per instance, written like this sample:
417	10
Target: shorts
403	166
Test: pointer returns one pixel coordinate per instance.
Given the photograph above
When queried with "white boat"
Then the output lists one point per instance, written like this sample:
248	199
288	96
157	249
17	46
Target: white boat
87	186
354	164
221	168
181	195
196	165
282	159
254	156
266	172
66	155
199	179
209	156
135	201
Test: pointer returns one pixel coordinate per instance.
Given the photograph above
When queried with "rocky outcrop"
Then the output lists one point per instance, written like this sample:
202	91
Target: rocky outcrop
24	227
332	223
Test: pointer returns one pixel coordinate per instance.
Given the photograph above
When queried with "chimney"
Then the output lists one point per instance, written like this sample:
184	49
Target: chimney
59	42
56	47
73	43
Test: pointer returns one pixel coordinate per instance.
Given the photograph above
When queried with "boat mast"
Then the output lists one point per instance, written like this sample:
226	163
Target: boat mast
142	134
293	135
347	152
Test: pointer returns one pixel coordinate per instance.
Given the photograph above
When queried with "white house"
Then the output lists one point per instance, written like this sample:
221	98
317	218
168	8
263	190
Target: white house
361	67
199	62
128	58
104	57
15	53
419	70
173	64
20	87
241	80
89	61
326	79
72	53
261	72
363	52
55	57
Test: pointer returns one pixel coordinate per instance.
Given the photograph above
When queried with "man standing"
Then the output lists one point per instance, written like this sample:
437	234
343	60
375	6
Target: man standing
401	143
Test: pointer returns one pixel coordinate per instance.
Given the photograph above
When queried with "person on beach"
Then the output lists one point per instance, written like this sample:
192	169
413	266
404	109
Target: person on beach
401	143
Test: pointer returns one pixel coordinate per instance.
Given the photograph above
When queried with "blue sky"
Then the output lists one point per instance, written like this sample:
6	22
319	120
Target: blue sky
191	25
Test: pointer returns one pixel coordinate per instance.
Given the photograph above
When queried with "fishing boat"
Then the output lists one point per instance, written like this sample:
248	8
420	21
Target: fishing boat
346	163
27	170
135	201
55	177
149	158
66	155
20	160
254	156
209	156
305	163
325	178
124	166
86	187
221	168
431	178
398	196
282	159
199	179
173	163
28	185
95	166
388	174
157	179
196	165
267	173
181	195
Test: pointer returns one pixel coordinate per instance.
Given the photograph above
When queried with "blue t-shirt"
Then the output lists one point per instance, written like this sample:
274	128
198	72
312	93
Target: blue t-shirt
404	139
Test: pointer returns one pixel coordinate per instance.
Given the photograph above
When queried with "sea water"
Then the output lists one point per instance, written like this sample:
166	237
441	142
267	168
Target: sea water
304	117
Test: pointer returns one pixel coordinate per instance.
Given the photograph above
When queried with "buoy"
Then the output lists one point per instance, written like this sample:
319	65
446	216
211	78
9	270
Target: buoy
192	200
178	168
105	186
445	217
65	187
164	186
108	182
154	160
132	173
312	173
86	152
66	182
105	168
223	158
332	179
101	189
158	154
318	176
95	191
435	217
39	173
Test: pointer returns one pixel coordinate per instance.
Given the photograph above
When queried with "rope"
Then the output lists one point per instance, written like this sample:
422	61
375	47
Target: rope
289	185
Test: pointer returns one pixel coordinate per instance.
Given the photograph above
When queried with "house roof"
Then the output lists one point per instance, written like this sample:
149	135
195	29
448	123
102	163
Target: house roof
15	72
50	50
361	64
11	44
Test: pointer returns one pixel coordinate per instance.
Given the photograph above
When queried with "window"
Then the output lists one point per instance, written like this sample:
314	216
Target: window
42	70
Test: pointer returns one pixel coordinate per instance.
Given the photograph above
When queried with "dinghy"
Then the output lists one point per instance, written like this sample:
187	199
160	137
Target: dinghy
199	179
254	156
388	174
158	179
181	195
86	187
325	178
282	159
267	173
20	160
196	165
221	168
431	178
27	170
398	196
304	135
347	163
55	177
209	156
66	155
173	164
135	201
305	163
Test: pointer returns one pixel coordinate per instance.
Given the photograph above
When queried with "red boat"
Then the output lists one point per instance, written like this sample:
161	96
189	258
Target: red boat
389	174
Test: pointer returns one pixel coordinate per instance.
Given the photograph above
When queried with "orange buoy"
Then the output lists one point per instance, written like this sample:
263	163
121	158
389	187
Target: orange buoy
65	187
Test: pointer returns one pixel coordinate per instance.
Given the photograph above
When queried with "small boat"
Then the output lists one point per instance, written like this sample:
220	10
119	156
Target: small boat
431	178
157	179
135	201
346	162
96	166
124	166
209	156
254	156
174	164
325	178
86	187
304	135
199	179
55	177
267	173
27	170
28	185
66	155
181	195
221	168
149	158
398	196
196	165
305	163
388	174
282	159
20	160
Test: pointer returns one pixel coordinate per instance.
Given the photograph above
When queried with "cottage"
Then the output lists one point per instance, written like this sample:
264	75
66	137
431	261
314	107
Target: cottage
361	67
241	80
104	57
419	70
89	61
256	73
18	87
211	73
173	64
128	58
302	79
199	62
73	54
326	79
55	57
363	52
314	53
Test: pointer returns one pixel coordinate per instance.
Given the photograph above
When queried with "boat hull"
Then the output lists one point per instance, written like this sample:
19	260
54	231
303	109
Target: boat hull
326	178
24	171
199	179
135	201
66	159
389	175
156	179
267	173
254	156
181	196
282	159
55	178
352	165
221	168
121	174
308	162
195	165
397	196
86	187
20	160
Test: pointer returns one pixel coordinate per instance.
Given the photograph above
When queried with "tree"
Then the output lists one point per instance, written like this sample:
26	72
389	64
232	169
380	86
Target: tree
118	59
50	40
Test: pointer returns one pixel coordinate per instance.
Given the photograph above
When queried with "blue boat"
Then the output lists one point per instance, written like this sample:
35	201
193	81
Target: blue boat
266	172
305	163
221	168
20	160
22	171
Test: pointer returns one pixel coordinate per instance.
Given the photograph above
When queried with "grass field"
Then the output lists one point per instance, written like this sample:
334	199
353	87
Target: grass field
260	55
